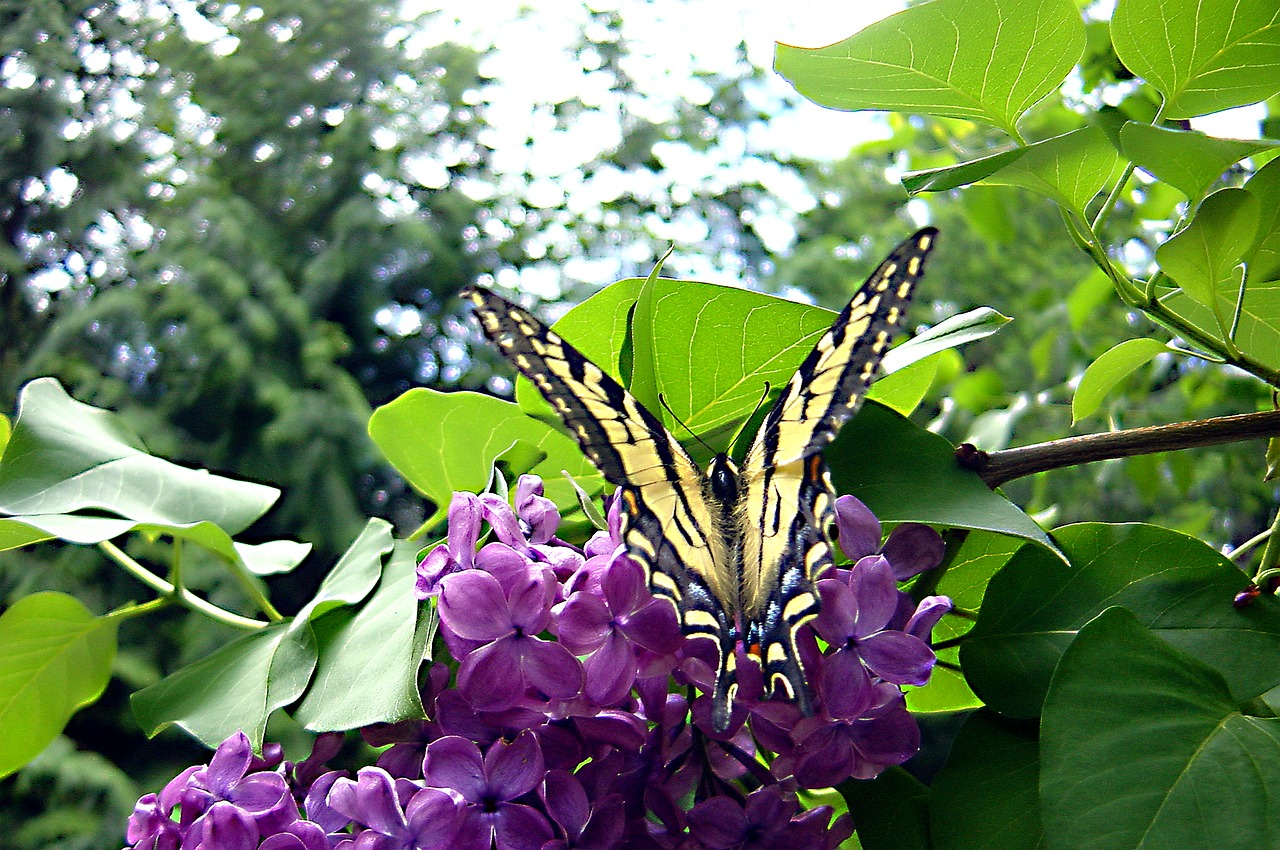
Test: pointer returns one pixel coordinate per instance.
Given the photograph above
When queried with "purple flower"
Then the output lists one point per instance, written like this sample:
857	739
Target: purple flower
854	620
299	835
883	734
150	825
510	657
536	512
911	548
458	552
607	629
763	822
586	826
489	785
429	820
262	797
223	827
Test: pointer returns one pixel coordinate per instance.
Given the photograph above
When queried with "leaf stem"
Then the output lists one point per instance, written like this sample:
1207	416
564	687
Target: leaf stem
175	594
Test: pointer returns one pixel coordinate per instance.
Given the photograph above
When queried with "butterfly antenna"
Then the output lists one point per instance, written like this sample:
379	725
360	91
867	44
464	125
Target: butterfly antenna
663	400
745	422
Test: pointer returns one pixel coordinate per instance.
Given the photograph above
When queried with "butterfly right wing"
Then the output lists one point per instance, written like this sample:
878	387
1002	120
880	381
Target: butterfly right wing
671	525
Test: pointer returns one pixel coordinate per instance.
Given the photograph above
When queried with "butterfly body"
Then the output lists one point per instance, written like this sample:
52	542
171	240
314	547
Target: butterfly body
737	549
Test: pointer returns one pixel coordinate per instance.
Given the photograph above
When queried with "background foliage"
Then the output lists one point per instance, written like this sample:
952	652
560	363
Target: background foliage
245	270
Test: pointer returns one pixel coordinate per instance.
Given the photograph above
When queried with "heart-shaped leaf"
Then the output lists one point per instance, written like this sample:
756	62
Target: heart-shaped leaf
1110	369
1071	169
1143	745
1187	160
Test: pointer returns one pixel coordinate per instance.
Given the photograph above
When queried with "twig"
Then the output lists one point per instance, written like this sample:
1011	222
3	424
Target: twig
995	468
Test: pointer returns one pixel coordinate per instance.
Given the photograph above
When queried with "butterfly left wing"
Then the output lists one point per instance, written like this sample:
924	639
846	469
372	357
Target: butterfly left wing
670	524
788	501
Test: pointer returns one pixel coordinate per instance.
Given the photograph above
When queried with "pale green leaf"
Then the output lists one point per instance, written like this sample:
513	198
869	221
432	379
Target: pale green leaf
981	60
1263	260
1202	55
1205	252
1188	160
1071	169
1110	369
56	659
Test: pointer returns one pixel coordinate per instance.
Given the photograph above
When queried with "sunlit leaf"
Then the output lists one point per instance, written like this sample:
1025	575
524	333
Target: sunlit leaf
56	659
1071	169
1185	159
1110	369
1202	55
1206	251
981	60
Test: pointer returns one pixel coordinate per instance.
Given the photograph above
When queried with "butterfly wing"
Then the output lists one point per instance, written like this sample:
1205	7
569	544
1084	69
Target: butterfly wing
671	525
788	501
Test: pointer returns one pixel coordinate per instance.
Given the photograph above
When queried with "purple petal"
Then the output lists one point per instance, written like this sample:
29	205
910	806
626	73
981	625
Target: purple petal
464	528
223	827
656	627
610	671
857	528
605	829
520	828
370	799
455	763
431	569
504	563
228	765
538	512
318	810
897	657
889	739
718	823
913	548
624	587
491	678
566	801
473	606
514	769
928	613
503	521
550	668
530	601
876	593
767	810
583	623
434	817
304	835
838	615
826	759
846	685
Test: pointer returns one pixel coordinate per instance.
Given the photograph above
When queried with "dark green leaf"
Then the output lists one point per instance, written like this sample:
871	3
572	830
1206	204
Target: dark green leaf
233	689
355	574
986	797
1143	745
906	474
1175	584
56	659
891	812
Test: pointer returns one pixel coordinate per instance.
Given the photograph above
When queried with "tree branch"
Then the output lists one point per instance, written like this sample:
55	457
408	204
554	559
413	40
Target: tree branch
996	468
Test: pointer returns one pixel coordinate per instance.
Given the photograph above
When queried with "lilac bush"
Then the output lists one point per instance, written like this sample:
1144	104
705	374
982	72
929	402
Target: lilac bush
560	726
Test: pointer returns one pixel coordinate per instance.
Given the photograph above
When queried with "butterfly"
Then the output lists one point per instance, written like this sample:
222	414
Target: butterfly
737	549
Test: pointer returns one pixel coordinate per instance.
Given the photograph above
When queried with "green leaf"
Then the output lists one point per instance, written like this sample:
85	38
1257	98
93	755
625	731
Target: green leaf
903	390
1263	259
1177	585
1071	169
233	689
951	332
980	60
355	574
987	794
964	174
1110	369
272	557
65	456
1205	252
1188	160
1259	332
445	442
6	428
1143	745
1202	55
891	811
369	658
1093	290
57	659
907	474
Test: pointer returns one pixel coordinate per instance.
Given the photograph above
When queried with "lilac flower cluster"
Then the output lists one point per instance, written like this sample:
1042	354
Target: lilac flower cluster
560	728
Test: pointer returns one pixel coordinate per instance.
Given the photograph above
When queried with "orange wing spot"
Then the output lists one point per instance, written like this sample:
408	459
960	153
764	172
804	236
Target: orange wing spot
754	651
815	465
